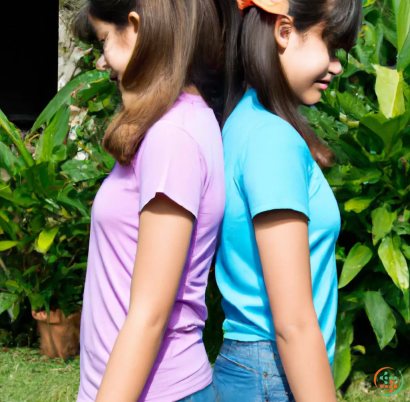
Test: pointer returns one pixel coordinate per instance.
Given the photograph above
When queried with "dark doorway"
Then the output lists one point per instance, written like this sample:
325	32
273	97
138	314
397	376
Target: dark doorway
29	58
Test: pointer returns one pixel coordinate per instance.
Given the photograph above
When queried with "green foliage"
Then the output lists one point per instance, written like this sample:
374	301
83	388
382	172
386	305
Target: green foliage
364	117
49	179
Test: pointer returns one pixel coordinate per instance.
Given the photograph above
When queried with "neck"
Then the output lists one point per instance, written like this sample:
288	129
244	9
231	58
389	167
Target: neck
191	90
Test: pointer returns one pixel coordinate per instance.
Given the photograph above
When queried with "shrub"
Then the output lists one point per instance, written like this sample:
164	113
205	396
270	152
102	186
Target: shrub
364	118
49	178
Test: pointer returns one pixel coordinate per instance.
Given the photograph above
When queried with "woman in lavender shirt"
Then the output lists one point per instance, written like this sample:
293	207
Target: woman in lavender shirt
156	217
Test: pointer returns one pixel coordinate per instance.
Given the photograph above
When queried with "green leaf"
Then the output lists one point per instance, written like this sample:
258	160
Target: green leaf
12	285
340	175
389	91
368	44
344	338
15	138
37	301
64	96
46	296
53	135
59	153
353	66
352	105
358	204
8	228
92	90
389	19
104	158
31	270
359	348
82	266
6	301
358	257
388	130
61	125
380	316
394	262
403	23
404	56
7	245
19	197
394	297
7	159
46	239
15	311
64	197
382	221
80	170
405	248
401	228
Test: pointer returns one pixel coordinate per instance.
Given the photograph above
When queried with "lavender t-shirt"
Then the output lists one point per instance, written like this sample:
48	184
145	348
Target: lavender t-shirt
181	157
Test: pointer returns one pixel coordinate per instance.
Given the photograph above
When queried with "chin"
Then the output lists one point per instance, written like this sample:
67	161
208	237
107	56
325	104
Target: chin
311	98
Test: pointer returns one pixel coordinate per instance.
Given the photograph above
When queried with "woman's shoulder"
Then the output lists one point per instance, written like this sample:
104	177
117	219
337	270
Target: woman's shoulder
255	122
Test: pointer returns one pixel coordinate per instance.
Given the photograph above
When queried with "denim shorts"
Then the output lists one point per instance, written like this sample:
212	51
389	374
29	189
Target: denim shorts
251	372
208	394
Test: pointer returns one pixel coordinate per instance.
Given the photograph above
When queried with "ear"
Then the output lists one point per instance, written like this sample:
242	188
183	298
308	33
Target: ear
134	20
283	29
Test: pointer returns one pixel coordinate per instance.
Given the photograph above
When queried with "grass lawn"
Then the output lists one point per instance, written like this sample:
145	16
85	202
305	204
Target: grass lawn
25	376
362	389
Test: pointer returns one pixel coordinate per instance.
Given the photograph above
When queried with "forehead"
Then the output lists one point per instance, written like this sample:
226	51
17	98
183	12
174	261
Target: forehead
99	26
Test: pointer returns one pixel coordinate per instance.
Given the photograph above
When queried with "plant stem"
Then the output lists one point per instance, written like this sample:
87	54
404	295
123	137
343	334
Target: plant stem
92	156
29	139
3	266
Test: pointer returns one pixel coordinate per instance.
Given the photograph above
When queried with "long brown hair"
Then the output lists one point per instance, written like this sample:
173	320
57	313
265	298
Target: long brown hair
179	44
252	58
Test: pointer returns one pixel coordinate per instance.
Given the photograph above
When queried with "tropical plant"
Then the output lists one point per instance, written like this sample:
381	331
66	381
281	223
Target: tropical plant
49	178
364	117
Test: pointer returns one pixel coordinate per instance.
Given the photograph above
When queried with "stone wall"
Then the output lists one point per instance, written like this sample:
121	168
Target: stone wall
68	52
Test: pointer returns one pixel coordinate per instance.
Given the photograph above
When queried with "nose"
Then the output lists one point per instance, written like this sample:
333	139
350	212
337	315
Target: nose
101	64
335	67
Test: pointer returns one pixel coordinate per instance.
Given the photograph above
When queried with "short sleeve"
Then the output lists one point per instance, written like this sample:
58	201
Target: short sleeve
171	164
275	171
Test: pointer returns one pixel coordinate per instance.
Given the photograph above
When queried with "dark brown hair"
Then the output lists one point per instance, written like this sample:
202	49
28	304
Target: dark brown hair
179	44
252	58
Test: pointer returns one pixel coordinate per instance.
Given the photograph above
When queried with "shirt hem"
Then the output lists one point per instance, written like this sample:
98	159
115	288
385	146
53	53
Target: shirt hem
282	205
192	387
257	338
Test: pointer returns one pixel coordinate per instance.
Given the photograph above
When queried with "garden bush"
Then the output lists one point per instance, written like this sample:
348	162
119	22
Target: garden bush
364	118
45	199
49	178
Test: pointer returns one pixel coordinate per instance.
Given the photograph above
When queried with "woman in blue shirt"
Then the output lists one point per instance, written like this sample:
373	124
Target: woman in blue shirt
276	264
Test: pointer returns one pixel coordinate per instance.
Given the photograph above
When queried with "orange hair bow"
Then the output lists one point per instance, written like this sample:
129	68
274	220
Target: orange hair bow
280	7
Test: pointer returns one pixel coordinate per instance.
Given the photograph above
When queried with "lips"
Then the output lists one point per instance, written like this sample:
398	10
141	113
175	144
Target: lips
323	84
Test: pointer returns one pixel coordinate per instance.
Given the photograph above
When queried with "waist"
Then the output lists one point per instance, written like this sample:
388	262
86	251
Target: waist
181	368
259	354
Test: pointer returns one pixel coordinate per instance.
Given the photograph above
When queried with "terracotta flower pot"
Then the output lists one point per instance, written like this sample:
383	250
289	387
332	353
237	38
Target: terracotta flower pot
60	335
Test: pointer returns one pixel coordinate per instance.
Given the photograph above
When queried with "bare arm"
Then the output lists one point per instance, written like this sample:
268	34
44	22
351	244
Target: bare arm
164	237
283	242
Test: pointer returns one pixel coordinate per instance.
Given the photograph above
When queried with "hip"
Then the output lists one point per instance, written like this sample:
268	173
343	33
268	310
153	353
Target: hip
251	370
208	394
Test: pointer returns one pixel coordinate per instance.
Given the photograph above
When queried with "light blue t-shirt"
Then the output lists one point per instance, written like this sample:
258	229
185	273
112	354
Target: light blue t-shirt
268	166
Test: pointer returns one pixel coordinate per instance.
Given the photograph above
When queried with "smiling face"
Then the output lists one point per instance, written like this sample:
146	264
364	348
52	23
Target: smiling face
307	61
118	45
